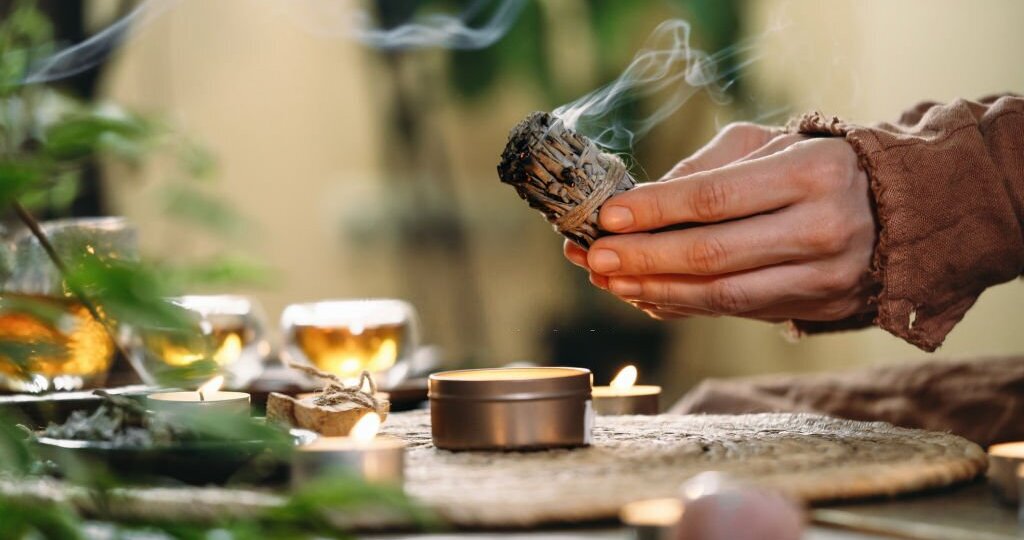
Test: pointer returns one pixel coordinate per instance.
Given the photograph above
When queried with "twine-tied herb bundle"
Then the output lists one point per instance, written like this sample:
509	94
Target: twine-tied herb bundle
563	174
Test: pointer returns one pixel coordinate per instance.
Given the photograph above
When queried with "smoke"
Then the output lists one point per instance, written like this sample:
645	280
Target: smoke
332	18
83	56
666	64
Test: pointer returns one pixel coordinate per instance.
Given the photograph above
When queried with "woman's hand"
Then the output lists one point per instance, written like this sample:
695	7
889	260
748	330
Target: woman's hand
783	229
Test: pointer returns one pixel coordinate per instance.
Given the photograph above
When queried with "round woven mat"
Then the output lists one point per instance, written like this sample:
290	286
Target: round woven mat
811	457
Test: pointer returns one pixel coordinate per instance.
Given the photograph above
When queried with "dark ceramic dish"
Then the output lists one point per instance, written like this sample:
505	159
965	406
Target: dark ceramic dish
194	462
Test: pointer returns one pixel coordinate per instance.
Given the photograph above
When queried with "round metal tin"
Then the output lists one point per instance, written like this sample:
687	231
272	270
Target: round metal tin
511	408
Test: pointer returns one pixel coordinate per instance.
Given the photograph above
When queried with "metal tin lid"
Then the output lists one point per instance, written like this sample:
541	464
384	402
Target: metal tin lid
511	384
25	267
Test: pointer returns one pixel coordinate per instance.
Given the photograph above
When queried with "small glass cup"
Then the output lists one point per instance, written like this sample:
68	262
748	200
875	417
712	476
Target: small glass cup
230	331
347	337
74	350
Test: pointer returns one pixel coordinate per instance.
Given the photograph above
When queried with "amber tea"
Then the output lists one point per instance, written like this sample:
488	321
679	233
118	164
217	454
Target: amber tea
347	337
347	352
79	354
222	345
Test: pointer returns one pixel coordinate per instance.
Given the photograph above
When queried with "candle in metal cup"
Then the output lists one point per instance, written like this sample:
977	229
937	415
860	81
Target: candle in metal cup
364	454
653	519
624	396
207	398
1003	461
511	408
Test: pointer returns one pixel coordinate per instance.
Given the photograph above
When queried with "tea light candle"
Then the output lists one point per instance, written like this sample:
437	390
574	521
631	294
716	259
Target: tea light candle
1003	462
653	519
374	459
208	398
624	396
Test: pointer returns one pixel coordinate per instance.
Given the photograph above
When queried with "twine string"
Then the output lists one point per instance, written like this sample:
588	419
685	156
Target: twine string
337	392
606	184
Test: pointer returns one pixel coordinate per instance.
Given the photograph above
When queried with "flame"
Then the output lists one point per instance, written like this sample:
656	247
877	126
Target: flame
211	386
366	428
229	350
626	378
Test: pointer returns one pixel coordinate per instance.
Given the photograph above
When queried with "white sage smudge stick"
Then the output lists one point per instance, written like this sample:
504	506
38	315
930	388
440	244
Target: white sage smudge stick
563	174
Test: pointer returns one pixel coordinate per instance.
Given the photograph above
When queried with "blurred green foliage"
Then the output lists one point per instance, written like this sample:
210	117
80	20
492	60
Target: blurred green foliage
317	510
46	137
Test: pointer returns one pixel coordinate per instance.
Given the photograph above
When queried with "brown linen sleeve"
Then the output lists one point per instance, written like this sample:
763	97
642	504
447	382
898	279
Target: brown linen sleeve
947	182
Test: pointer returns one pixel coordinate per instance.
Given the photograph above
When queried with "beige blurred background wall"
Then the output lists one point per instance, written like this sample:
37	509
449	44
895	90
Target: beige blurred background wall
295	120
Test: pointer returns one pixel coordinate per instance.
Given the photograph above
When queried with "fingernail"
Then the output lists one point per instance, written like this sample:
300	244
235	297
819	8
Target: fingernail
624	286
604	261
615	218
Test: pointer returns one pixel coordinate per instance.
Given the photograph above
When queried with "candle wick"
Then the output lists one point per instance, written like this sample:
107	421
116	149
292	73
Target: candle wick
201	396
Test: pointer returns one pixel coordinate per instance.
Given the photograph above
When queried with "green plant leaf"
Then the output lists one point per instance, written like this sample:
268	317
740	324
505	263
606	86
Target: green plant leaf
46	311
15	456
30	520
339	490
222	271
196	160
18	177
56	197
128	291
82	136
188	203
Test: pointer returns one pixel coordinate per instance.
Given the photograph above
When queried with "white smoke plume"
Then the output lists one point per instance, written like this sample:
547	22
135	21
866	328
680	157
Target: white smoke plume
334	18
666	64
80	57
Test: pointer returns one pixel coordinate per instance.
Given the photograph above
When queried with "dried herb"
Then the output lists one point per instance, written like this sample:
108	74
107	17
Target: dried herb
122	421
563	174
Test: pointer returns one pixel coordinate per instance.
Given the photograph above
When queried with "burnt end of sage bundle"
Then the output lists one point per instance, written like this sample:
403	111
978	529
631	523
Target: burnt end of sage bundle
563	174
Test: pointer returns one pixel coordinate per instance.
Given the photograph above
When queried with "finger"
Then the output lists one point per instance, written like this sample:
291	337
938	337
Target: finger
738	190
763	240
575	253
815	310
730	144
727	295
665	315
599	281
677	310
775	146
670	314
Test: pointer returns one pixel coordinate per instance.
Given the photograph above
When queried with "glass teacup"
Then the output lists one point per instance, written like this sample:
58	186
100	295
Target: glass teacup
347	337
230	332
71	350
